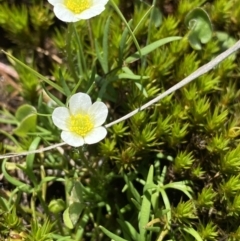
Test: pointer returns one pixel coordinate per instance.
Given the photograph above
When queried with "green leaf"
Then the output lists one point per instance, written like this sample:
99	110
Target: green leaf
132	189
75	210
167	204
122	44
156	17
27	116
136	204
200	28
131	76
30	159
105	45
4	204
76	193
50	95
181	186
64	84
46	80
112	235
146	206
21	185
149	48
128	229
194	233
66	219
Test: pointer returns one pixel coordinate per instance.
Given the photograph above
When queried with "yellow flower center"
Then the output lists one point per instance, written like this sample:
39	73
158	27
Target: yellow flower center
81	124
77	6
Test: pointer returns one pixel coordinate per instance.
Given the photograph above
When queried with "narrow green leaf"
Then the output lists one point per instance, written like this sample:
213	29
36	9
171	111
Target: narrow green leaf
181	186
149	48
166	204
4	204
131	76
132	189
21	185
122	44
136	204
10	137
82	67
92	80
112	235
52	96
50	179
129	229
127	25
105	45
146	206
99	56
64	84
30	159
46	80
194	233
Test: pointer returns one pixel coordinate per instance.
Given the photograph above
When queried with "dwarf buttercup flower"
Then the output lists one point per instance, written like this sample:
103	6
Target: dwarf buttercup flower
75	10
81	122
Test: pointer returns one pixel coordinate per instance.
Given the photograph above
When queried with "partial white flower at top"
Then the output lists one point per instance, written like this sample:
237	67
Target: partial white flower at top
81	122
75	10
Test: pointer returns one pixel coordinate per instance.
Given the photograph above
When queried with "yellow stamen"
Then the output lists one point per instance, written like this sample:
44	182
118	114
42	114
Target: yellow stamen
81	124
77	6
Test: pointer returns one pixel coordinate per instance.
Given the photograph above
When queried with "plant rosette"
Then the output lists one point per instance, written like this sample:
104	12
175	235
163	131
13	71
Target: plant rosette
76	10
81	123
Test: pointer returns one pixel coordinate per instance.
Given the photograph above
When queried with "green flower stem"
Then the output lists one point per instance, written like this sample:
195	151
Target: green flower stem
128	27
141	21
91	87
44	185
33	208
149	29
151	19
90	34
82	66
86	162
69	52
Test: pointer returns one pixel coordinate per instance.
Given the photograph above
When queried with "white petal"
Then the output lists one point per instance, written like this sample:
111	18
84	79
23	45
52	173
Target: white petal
72	139
60	117
64	13
91	12
98	112
96	135
79	103
53	2
100	2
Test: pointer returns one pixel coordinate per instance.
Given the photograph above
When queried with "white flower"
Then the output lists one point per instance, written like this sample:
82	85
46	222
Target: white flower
81	122
75	10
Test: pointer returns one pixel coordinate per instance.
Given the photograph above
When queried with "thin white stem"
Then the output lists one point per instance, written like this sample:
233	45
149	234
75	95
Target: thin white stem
25	153
202	70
